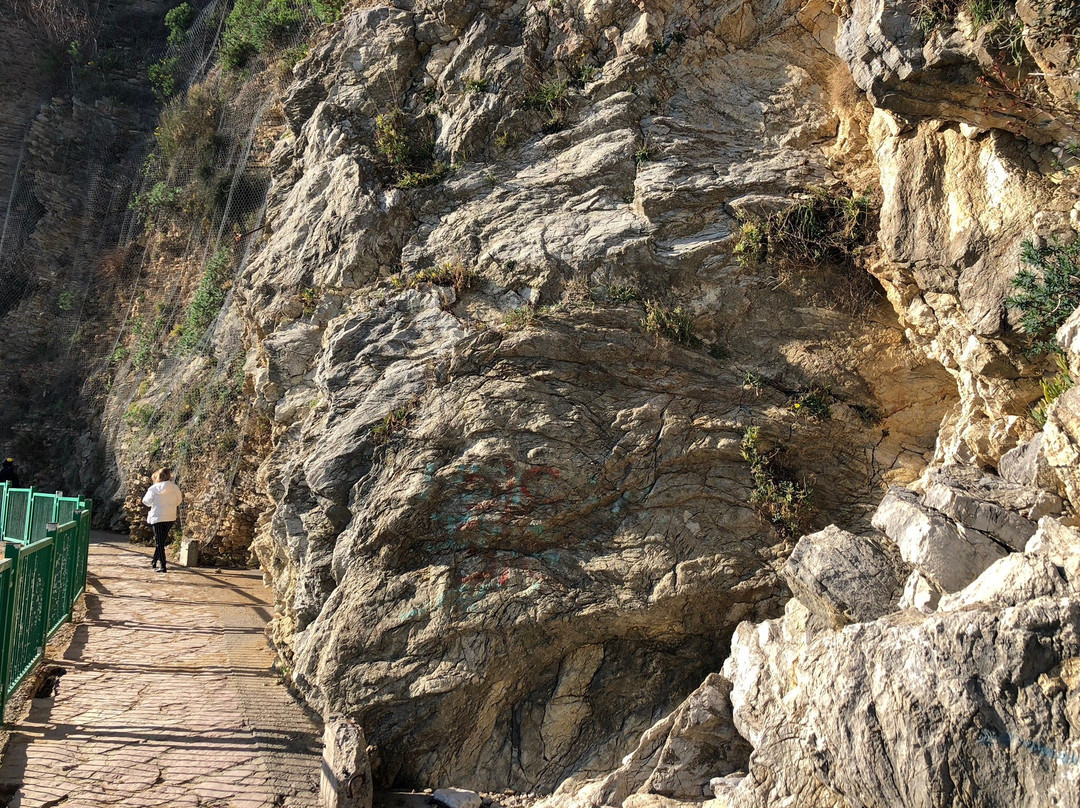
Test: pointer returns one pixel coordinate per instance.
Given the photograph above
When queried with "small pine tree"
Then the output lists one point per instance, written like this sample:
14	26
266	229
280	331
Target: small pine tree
1047	292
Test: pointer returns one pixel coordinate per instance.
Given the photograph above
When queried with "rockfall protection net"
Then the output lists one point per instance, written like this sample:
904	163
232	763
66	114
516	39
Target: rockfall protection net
190	199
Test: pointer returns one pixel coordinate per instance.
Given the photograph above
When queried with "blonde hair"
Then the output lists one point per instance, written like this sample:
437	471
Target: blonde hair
161	475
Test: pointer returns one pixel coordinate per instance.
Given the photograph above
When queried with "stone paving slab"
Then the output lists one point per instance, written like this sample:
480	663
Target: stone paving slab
169	700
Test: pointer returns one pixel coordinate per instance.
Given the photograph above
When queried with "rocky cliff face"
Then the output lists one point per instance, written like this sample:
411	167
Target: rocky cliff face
75	118
510	524
508	520
563	321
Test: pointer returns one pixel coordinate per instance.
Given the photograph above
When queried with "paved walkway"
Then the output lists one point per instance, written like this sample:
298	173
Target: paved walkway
168	700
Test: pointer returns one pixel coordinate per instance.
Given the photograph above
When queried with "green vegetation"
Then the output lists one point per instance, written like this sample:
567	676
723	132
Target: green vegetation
449	273
672	323
394	423
391	141
551	99
208	299
162	195
149	336
520	318
821	228
582	74
815	402
623	295
65	301
643	155
195	183
479	85
177	22
257	26
163	78
1052	389
188	125
933	13
1047	291
412	162
418	179
753	381
139	415
778	498
309	300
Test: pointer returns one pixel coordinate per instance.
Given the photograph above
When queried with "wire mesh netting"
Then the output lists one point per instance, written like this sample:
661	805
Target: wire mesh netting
122	234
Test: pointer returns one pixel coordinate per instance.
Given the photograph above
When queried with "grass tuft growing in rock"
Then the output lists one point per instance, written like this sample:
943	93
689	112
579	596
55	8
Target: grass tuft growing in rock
778	498
823	227
551	99
394	423
520	318
622	294
477	86
672	323
1052	388
449	273
816	403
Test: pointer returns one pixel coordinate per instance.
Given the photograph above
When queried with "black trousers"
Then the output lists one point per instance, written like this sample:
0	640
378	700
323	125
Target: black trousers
161	538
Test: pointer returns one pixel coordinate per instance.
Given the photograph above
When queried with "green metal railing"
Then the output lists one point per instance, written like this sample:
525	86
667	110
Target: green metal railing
43	574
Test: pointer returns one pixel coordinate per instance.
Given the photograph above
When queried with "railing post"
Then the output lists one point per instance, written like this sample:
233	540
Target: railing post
50	533
6	628
29	514
11	552
50	566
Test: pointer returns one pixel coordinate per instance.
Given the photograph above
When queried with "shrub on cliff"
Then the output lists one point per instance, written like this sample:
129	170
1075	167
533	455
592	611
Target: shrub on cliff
208	299
823	227
1047	290
778	498
256	26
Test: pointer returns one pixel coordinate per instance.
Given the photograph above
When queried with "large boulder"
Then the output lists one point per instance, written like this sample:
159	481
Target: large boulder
977	706
1006	512
951	555
843	578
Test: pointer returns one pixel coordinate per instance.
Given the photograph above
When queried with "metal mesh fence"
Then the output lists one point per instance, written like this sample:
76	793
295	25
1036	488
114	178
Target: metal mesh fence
146	222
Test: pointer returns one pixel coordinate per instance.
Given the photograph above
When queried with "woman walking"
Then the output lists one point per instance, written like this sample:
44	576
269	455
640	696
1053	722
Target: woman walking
163	498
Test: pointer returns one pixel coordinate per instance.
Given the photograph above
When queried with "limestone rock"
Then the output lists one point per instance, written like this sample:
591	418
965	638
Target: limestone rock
1060	544
920	593
676	758
1068	337
1060	447
511	527
988	504
910	711
937	75
457	798
346	771
1025	465
951	555
1017	578
843	578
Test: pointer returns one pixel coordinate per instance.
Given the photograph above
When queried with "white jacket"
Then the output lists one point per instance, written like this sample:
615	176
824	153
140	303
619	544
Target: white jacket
163	499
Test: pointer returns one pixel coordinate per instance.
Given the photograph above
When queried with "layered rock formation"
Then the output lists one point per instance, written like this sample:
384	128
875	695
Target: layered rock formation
533	428
931	663
495	535
505	543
